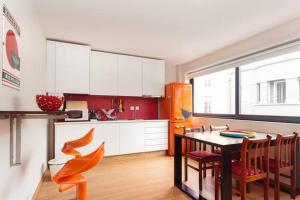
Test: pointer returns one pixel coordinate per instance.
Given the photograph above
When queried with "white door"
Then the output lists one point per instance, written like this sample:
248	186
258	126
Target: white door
103	73
131	138
153	77
129	76
72	68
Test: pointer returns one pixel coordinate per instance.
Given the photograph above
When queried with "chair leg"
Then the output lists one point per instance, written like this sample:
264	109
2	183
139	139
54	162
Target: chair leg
276	186
217	174
243	189
293	184
266	188
248	188
213	170
200	175
204	173
81	191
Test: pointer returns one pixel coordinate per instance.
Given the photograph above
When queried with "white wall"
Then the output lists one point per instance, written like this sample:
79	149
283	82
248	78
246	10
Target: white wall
280	34
20	182
171	73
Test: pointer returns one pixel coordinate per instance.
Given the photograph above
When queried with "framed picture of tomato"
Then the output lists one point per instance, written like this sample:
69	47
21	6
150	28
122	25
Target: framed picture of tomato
11	70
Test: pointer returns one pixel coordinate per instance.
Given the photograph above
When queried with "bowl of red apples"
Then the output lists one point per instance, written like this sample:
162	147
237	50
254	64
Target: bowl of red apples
49	102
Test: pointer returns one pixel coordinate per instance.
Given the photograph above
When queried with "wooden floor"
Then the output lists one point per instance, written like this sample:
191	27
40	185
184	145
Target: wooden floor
138	177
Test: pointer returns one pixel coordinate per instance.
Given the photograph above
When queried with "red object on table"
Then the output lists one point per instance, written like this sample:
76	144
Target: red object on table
49	103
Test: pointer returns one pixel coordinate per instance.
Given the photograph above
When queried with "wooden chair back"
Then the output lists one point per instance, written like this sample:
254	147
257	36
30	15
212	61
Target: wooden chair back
285	150
194	129
218	128
193	145
255	156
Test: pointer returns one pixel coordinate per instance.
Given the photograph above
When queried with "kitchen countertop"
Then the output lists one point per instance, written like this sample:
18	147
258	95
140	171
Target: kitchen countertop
113	121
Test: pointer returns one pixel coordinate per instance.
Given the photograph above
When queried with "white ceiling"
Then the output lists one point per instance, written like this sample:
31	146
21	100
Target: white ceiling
175	30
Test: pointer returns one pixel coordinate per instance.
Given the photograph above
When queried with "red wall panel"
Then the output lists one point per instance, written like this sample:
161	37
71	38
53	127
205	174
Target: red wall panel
148	106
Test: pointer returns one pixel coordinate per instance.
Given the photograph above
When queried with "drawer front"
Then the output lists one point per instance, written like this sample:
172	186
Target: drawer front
156	124
155	142
158	147
156	130
156	136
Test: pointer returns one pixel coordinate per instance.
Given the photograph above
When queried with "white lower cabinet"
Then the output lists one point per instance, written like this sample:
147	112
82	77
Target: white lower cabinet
119	137
155	136
103	132
131	138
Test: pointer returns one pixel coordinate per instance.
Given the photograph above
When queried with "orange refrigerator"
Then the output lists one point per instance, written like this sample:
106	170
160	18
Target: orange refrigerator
177	107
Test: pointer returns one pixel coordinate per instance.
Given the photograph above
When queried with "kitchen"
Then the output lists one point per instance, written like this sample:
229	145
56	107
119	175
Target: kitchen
151	81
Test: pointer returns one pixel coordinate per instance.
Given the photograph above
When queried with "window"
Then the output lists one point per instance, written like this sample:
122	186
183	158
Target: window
299	89
272	78
207	82
219	97
267	89
258	92
207	104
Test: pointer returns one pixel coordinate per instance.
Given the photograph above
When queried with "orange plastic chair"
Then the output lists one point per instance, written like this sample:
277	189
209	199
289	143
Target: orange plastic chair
70	175
69	147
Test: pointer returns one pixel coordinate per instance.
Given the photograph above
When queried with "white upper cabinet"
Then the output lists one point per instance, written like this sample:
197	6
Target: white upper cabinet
129	76
72	68
153	77
68	67
103	73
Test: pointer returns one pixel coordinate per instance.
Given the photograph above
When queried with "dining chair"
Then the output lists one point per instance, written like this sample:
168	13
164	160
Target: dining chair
284	161
70	174
217	150
204	158
253	166
69	147
218	128
193	144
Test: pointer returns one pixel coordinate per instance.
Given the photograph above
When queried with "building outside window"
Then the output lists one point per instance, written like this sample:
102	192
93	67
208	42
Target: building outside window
268	87
277	91
215	92
207	104
299	88
258	92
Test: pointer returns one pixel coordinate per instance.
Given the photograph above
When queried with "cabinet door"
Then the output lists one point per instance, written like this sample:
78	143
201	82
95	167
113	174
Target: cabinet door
103	73
131	138
153	77
187	98
72	68
129	76
177	102
108	133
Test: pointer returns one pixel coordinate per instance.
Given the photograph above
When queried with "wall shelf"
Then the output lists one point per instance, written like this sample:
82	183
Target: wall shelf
15	121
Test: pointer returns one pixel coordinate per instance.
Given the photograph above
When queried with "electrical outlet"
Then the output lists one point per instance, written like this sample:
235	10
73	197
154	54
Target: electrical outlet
131	107
137	108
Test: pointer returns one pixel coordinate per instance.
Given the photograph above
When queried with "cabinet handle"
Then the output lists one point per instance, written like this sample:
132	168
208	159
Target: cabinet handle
179	118
179	127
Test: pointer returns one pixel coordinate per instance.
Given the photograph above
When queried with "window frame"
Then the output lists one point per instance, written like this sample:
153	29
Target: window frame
238	115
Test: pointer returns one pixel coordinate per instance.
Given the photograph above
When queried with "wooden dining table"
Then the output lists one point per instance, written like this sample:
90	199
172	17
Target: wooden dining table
227	144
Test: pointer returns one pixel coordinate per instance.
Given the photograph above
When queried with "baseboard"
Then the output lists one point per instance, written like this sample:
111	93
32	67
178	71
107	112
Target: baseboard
36	192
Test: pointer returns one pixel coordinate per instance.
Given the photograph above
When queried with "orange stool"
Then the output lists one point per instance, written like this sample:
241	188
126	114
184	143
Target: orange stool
69	147
70	175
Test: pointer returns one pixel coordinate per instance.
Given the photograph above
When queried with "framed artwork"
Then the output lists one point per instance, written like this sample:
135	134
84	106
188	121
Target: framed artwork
11	62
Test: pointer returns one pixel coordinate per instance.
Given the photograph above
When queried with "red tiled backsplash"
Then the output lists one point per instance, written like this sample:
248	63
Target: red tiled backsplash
148	107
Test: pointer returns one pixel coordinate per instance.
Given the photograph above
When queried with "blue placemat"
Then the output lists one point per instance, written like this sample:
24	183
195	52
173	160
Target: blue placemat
236	134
